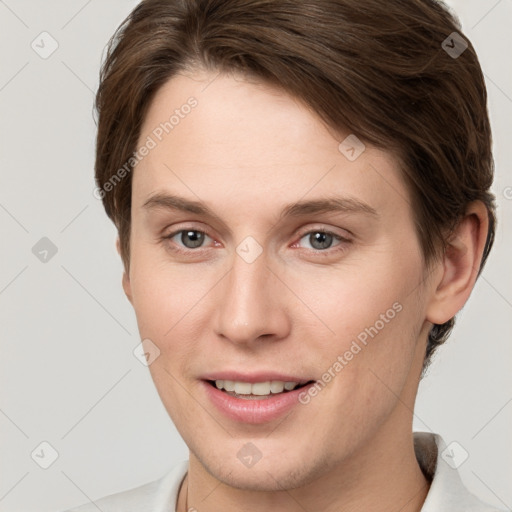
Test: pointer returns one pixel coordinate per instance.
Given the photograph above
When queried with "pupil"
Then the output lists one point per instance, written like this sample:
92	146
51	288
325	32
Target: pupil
196	237
324	240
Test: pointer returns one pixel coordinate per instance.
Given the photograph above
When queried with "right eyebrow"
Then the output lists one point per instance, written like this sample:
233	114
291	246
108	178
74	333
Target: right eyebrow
161	201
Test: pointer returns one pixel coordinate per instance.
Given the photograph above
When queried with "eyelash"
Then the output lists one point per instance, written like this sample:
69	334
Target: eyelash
339	248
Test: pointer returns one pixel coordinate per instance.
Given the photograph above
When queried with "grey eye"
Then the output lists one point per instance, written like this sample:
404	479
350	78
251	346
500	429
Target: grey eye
320	240
191	238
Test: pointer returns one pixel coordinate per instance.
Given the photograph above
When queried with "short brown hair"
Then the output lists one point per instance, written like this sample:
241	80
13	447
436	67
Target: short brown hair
379	69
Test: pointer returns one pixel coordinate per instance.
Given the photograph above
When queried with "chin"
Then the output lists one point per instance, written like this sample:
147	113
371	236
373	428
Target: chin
270	473
262	479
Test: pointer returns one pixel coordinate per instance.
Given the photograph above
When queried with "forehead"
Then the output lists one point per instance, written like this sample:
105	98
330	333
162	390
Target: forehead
222	137
235	114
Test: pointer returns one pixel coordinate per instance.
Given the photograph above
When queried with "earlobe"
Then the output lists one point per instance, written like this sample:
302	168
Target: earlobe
126	279
461	263
127	287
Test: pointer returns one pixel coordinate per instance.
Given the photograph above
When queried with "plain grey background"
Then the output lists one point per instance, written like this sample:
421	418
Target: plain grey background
68	374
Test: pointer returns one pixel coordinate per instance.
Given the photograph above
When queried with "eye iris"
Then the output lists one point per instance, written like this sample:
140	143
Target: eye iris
196	236
324	239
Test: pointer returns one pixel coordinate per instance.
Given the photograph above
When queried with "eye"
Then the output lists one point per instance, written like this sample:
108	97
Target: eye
190	238
322	240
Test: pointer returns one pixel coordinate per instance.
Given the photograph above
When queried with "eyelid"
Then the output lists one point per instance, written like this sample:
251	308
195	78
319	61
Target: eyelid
200	227
323	229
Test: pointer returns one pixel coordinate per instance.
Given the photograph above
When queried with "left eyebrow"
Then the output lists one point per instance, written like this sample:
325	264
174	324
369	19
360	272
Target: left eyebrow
333	204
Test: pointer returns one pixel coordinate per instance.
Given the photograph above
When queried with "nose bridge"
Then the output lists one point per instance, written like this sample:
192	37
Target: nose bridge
249	306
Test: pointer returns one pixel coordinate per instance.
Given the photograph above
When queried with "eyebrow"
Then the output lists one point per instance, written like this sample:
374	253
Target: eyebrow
328	205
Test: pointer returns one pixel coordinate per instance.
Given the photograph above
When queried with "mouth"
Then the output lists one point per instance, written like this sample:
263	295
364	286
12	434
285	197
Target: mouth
255	398
256	390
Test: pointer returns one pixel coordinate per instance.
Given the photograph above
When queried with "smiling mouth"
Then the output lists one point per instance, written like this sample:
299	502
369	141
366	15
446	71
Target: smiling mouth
256	390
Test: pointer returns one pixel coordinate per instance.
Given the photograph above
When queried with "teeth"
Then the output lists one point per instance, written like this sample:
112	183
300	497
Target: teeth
229	385
243	388
261	388
256	388
276	386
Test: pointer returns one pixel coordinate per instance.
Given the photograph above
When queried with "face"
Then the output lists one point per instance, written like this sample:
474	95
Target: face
298	264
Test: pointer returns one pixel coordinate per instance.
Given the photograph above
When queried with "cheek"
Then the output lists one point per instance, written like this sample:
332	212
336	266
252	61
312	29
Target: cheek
371	318
168	300
373	299
165	293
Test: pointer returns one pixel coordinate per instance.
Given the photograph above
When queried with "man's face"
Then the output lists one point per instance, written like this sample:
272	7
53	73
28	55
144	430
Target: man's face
269	294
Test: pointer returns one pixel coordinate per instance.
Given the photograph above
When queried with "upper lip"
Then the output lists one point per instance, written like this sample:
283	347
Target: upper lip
260	376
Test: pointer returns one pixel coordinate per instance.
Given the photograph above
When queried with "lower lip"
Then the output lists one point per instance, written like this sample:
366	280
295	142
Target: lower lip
254	411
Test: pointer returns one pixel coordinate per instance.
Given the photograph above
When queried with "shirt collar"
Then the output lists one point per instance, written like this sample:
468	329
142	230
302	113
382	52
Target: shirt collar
447	491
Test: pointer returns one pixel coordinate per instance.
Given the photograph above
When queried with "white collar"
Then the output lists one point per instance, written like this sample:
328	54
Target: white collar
447	491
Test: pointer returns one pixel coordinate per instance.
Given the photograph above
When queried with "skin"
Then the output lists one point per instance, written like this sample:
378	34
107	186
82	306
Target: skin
247	150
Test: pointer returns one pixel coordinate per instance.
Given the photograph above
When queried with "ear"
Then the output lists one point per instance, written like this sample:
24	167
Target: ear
126	278
461	263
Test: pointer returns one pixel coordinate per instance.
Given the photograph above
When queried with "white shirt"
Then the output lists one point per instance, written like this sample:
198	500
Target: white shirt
447	492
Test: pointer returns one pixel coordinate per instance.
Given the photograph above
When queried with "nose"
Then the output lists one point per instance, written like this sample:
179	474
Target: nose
252	303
